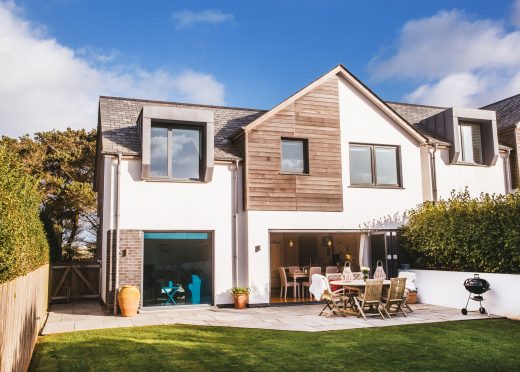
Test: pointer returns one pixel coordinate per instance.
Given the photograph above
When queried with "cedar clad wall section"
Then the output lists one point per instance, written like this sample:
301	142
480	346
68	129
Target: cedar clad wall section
315	117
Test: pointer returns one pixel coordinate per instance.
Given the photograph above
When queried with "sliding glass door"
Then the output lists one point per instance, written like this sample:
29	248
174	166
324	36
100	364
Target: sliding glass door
177	268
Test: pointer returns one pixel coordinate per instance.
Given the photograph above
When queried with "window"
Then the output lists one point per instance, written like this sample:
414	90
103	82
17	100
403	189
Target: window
471	142
295	157
374	165
175	152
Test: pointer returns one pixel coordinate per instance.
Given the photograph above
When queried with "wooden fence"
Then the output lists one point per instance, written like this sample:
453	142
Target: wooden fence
74	281
23	310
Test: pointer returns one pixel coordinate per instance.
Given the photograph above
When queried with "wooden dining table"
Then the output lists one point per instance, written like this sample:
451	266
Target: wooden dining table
295	275
352	287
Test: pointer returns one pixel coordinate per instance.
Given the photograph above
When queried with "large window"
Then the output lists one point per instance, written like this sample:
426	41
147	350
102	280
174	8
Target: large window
374	165
471	142
175	152
295	158
177	268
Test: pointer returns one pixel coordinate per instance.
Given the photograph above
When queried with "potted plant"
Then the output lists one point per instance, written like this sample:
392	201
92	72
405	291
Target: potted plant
240	294
366	271
411	298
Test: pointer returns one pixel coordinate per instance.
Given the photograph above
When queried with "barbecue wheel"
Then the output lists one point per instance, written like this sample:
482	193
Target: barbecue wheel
464	311
482	310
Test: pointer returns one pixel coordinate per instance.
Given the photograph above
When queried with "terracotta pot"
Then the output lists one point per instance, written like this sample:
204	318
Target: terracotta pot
128	300
241	301
411	298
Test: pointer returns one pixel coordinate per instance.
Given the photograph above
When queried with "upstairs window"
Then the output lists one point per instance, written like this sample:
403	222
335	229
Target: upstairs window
374	165
175	152
471	142
295	157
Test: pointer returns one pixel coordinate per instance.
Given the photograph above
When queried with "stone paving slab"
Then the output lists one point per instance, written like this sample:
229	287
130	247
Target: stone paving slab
303	318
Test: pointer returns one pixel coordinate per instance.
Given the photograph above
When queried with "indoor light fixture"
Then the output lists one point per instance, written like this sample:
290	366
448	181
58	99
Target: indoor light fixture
291	244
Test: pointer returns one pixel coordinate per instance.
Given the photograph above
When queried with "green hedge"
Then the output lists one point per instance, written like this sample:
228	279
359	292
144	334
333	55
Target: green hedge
23	245
465	234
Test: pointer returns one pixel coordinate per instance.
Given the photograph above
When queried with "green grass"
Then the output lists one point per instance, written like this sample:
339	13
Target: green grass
479	345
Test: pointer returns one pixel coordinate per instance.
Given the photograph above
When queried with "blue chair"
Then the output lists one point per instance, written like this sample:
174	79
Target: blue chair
194	287
170	292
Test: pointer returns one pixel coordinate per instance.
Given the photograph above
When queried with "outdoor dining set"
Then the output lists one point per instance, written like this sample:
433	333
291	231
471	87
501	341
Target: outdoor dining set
350	293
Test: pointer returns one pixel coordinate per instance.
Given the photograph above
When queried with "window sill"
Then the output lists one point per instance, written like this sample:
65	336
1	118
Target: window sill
294	174
470	164
174	180
376	187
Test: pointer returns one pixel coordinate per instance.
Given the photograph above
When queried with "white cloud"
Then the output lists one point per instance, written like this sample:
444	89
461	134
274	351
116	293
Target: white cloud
186	18
457	60
46	85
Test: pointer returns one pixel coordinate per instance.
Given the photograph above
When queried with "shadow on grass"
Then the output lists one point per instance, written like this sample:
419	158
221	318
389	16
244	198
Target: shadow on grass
480	345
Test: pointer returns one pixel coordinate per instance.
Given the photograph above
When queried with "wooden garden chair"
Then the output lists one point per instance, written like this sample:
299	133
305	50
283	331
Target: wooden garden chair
333	300
370	299
395	300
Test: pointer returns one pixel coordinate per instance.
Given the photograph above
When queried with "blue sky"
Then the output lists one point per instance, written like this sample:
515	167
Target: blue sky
250	54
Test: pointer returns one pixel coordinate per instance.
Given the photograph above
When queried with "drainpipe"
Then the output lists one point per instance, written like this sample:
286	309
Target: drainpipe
235	226
507	171
433	172
118	205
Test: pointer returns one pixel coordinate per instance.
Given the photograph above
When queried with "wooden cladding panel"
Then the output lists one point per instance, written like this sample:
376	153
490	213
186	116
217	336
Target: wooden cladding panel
315	117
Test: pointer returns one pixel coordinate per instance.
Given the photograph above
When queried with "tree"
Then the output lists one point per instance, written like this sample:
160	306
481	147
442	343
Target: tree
63	161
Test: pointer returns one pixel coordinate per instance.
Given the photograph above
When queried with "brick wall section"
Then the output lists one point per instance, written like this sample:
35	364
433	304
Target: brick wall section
130	265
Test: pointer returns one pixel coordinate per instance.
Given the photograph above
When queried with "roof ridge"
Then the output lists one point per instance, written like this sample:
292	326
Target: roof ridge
183	103
501	100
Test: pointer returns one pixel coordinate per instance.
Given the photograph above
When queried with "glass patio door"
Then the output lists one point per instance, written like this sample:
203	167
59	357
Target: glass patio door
177	268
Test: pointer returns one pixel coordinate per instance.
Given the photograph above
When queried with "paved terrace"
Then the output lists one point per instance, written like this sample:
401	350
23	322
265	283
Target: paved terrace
89	315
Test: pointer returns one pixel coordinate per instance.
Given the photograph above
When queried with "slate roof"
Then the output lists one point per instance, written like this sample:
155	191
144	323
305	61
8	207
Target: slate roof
118	129
508	111
118	117
414	114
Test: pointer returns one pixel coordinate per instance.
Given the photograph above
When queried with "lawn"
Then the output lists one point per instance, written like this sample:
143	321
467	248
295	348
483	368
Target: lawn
478	345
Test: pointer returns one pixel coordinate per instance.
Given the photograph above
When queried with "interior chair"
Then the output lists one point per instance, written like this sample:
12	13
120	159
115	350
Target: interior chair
313	270
194	288
284	284
331	269
395	298
292	269
370	299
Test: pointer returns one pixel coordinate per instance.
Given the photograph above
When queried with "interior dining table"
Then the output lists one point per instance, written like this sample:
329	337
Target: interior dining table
298	274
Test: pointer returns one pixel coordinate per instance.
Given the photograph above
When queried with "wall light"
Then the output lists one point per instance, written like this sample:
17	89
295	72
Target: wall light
291	244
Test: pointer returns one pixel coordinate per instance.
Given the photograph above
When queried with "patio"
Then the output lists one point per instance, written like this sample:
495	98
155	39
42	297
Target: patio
89	315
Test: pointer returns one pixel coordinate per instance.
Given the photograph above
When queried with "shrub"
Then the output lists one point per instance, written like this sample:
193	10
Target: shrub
465	234
23	245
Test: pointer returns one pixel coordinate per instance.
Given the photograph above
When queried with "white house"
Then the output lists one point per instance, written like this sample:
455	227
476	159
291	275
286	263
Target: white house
196	199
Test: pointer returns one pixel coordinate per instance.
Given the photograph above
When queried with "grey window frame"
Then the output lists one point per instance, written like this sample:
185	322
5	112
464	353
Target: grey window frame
373	159
306	168
463	152
170	127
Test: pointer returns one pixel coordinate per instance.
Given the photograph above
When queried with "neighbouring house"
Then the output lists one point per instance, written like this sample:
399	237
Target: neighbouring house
196	199
508	125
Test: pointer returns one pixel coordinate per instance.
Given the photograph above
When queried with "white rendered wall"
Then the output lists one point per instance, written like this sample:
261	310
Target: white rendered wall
477	178
171	206
445	288
361	122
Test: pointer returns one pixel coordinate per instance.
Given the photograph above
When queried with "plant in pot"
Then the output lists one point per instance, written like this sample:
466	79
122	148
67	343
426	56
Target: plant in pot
411	298
365	270
240	294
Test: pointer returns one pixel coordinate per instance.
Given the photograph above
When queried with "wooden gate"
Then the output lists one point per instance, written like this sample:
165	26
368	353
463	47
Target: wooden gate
74	281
